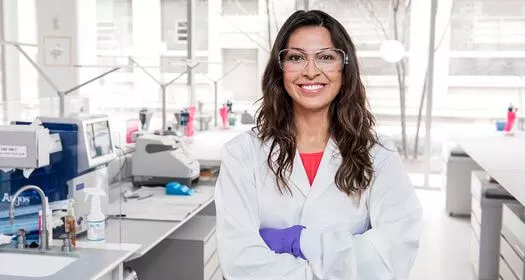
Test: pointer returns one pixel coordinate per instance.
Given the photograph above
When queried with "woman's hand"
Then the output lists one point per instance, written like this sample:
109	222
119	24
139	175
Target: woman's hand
286	240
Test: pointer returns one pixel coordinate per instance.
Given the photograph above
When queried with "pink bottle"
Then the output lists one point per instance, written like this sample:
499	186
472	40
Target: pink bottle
224	115
132	126
511	118
191	117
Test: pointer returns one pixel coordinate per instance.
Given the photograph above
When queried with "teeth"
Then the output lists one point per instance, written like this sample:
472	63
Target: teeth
312	87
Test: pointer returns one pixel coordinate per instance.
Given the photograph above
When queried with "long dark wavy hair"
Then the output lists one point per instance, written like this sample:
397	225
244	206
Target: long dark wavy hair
351	122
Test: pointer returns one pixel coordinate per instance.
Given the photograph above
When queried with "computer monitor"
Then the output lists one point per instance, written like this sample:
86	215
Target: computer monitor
97	140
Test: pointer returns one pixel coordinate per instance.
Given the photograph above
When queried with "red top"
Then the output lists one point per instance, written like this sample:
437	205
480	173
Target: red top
311	163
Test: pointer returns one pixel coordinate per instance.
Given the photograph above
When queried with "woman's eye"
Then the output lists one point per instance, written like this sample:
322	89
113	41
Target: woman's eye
327	57
295	57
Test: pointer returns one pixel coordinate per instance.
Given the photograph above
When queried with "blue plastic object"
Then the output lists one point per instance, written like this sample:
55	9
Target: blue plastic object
500	125
175	188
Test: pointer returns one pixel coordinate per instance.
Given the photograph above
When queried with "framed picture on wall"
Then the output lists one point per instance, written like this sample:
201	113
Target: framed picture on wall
57	51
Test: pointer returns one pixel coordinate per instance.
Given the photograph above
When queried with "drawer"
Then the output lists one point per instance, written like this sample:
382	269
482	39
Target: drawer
475	207
514	261
211	267
477	178
476	227
504	271
210	247
514	222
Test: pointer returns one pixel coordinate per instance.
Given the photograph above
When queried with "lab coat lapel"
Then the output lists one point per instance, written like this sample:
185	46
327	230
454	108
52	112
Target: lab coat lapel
325	177
298	179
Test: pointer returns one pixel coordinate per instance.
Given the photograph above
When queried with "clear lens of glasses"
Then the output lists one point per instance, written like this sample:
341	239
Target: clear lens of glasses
329	60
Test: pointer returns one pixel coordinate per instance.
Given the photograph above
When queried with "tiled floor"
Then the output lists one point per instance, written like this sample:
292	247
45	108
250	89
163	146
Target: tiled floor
444	248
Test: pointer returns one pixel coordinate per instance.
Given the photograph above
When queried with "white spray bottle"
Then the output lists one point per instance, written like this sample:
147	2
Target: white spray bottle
96	220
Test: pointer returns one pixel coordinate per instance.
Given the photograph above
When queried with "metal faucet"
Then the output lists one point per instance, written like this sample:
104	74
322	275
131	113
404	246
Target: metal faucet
43	236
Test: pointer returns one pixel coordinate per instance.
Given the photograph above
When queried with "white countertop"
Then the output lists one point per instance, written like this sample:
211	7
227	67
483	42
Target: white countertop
149	233
501	156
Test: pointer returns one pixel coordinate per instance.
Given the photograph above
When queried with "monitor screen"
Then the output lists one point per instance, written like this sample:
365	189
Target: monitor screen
99	139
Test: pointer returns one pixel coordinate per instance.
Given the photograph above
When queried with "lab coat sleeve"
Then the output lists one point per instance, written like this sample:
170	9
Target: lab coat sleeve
242	252
387	250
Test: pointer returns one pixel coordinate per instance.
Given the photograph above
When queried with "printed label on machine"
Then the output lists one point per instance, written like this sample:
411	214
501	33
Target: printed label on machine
9	151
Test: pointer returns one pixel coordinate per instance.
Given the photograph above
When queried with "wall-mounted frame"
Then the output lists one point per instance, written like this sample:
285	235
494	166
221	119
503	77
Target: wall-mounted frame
57	51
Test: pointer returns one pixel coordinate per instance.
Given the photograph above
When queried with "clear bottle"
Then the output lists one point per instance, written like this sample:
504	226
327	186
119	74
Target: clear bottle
70	223
96	220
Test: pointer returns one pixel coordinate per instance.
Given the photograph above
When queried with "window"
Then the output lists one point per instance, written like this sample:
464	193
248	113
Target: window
182	31
370	66
114	26
488	25
240	7
174	24
481	66
242	83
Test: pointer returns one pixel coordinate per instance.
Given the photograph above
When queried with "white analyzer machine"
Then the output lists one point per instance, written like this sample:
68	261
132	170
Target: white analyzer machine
160	159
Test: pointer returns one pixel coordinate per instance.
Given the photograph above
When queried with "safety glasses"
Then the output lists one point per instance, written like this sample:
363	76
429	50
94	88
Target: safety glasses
326	60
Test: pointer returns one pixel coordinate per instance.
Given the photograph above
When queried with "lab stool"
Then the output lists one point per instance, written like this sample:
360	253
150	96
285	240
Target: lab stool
512	246
457	172
487	202
189	253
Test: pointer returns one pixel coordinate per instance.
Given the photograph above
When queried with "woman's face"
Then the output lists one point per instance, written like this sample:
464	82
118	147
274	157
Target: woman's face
311	89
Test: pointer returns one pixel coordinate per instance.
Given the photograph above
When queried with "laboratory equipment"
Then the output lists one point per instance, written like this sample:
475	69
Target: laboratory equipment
145	118
24	146
79	162
189	253
160	159
487	201
458	168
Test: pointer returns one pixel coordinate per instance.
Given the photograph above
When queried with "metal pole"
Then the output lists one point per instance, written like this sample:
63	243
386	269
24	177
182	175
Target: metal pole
38	69
215	101
61	104
191	50
164	128
2	65
430	91
91	80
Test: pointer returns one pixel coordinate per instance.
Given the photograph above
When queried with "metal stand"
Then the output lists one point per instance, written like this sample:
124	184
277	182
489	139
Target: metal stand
430	90
215	90
163	87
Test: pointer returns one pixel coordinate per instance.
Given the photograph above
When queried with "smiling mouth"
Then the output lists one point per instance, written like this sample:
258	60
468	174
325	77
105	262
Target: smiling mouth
312	87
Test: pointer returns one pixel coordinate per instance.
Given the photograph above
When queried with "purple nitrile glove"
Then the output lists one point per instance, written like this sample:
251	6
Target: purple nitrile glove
286	240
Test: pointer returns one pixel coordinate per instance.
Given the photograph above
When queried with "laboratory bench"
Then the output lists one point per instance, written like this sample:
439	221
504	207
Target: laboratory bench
495	167
175	235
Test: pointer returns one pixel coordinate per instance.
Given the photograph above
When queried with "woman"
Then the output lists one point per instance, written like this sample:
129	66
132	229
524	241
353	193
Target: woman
311	192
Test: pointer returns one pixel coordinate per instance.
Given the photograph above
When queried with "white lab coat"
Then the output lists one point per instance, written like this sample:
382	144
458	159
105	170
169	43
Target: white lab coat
376	238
